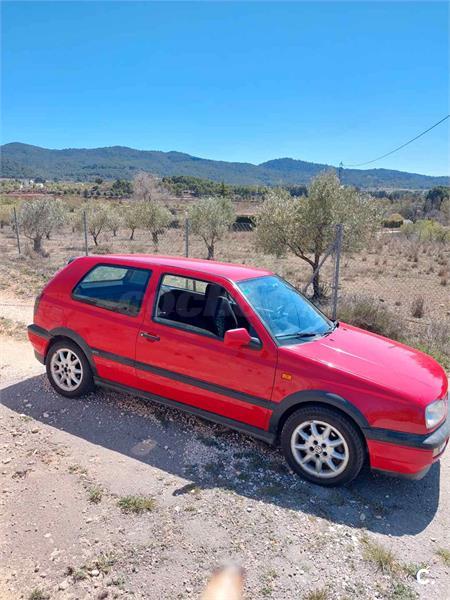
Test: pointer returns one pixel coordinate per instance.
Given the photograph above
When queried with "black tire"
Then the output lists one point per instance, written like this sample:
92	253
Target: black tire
86	380
352	447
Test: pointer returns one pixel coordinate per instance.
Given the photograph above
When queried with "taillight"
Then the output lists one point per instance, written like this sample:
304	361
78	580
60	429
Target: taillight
36	305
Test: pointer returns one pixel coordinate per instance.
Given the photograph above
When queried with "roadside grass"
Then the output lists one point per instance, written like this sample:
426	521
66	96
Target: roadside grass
320	594
95	494
411	569
38	594
267	581
105	561
136	504
382	557
77	469
401	591
444	554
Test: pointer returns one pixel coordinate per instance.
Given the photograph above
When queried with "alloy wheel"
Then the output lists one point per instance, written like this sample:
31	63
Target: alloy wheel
66	369
320	449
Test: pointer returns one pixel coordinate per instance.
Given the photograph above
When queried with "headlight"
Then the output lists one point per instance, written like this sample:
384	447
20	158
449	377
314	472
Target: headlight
435	412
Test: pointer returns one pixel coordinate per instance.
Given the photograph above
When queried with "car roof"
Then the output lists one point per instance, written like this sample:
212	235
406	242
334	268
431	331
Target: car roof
231	271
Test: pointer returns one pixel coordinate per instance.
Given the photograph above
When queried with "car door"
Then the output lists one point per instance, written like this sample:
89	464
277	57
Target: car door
182	361
106	311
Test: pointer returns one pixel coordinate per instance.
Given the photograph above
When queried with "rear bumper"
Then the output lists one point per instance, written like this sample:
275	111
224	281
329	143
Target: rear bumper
410	455
39	338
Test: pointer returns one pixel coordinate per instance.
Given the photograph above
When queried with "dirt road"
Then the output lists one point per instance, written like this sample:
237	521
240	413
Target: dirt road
111	496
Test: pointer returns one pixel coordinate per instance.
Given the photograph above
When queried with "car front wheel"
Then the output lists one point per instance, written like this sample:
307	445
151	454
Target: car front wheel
68	369
323	446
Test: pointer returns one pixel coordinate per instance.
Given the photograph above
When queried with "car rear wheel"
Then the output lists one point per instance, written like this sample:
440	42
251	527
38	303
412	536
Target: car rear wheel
323	446
68	369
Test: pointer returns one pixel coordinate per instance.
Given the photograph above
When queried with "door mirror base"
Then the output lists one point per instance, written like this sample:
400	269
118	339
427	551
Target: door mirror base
237	338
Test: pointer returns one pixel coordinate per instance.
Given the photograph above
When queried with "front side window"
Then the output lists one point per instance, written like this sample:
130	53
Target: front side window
287	314
116	288
198	306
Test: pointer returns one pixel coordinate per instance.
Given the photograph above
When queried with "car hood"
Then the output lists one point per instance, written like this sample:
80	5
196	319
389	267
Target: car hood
389	365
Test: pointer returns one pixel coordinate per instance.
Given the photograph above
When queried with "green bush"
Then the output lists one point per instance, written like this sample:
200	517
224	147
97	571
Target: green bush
426	230
394	220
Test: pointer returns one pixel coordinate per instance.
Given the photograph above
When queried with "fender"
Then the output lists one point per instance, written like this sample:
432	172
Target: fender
318	396
75	337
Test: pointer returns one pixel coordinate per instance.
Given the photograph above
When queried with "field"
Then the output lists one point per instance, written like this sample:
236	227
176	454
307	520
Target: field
409	280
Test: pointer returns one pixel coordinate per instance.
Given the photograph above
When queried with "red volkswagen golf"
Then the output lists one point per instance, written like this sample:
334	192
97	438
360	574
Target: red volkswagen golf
241	347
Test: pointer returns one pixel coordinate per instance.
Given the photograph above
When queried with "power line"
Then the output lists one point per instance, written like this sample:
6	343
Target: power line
399	148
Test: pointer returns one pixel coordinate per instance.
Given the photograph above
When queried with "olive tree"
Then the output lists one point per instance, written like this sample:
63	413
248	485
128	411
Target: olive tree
98	216
305	225
132	218
38	218
149	192
154	218
115	219
5	216
210	218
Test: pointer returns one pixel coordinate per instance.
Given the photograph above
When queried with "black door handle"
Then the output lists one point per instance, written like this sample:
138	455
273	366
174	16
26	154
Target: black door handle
149	336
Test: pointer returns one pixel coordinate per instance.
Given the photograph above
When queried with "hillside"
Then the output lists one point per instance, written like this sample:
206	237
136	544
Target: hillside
26	161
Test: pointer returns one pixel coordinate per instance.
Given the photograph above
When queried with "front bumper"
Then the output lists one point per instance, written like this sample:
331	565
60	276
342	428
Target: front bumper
408	455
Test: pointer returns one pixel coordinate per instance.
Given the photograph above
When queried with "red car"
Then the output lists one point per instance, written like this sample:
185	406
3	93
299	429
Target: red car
241	347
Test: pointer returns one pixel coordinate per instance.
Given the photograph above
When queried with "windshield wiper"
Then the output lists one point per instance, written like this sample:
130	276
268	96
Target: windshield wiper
299	334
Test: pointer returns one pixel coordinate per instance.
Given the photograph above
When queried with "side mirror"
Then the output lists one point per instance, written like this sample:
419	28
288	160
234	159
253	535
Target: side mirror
236	338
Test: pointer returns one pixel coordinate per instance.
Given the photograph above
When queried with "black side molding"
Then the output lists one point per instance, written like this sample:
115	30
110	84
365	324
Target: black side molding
260	434
40	331
175	376
428	441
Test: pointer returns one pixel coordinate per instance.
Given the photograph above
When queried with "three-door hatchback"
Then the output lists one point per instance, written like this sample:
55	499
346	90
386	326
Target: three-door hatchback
240	346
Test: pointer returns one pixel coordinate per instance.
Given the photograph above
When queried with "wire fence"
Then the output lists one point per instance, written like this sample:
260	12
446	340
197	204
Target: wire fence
408	278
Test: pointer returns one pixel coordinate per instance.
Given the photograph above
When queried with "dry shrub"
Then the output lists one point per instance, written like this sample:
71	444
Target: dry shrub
435	341
366	313
418	307
101	249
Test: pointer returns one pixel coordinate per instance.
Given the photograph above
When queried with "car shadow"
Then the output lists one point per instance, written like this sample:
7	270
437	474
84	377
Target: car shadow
209	455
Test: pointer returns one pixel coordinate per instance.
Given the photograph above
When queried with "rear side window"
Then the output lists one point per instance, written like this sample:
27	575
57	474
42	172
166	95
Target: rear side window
116	288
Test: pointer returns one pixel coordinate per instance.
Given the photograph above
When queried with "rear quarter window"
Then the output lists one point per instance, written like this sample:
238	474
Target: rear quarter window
113	287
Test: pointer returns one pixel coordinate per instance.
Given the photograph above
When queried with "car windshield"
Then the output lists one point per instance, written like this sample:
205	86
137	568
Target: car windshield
288	315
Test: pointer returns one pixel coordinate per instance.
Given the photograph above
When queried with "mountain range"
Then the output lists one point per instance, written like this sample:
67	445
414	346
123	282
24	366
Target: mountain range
118	162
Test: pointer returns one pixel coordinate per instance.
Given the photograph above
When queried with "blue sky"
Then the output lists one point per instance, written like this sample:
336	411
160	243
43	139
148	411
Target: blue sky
319	81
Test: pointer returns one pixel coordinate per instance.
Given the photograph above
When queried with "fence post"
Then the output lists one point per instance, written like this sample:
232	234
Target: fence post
86	249
17	230
337	261
186	237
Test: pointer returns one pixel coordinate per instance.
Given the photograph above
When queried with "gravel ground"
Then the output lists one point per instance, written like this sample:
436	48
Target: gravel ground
209	496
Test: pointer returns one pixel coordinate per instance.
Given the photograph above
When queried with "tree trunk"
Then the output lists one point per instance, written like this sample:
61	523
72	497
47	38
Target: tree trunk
94	237
37	246
317	292
210	251
132	234
155	240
